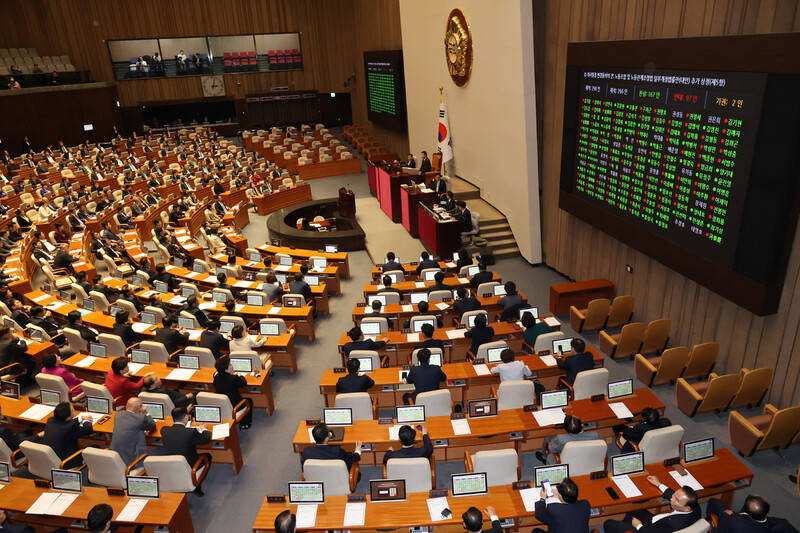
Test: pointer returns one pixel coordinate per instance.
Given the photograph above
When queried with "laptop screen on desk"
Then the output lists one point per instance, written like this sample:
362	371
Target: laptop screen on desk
269	328
255	299
187	291
387	490
698	450
159	286
338	416
493	354
190	362
430	275
98	350
98	405
364	364
553	399
306	492
155	410
313	281
419	323
618	389
410	414
331	248
50	397
137	281
148	318
142	487
225	326
185	322
5	473
532	310
319	263
197	267
255	257
285	261
471	271
376	297
370	328
499	290
627	463
242	364
66	480
469	484
178	262
207	414
562	345
219	296
554	474
484	407
88	304
417	297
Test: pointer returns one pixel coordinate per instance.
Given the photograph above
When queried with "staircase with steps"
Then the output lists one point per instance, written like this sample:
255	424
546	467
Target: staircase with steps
494	225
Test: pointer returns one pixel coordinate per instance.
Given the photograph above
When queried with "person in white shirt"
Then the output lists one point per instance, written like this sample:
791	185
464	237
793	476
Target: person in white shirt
242	343
685	512
509	369
44	211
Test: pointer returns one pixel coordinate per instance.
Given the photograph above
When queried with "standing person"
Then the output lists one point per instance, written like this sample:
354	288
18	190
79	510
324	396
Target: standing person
130	428
227	383
425	163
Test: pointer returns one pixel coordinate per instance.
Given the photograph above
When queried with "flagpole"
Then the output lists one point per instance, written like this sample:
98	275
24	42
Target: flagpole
441	99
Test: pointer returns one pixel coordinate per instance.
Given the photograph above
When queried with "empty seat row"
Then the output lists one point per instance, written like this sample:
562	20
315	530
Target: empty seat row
636	338
18	52
36	60
677	362
602	314
720	393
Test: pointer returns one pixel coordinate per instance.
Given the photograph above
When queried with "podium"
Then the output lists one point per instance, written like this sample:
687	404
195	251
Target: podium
410	198
347	203
443	237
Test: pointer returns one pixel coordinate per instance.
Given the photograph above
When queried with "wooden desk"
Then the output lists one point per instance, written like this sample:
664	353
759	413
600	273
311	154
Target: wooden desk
232	197
720	477
324	169
409	199
238	219
330	274
171	509
579	294
406	287
441	237
389	192
462	380
280	199
490	433
339	258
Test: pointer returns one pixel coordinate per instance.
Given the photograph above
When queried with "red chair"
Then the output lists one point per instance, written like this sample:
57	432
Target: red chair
251	54
226	55
235	54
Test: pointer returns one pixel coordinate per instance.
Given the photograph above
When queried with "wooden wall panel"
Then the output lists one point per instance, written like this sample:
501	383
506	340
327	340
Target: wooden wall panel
582	252
334	35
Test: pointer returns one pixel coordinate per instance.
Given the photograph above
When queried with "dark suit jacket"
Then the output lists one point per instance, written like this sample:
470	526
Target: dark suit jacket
229	385
425	378
479	336
424	265
392	266
741	523
636	432
366	344
481	277
63	437
171	338
410	452
673	522
199	315
564	517
180	440
85	332
214	341
575	363
430	343
424	165
354	383
496	528
467	304
439	188
63	260
328	451
125	331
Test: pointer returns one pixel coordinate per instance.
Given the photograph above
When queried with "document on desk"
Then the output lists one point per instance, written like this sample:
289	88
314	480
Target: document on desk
135	367
239	307
242	284
627	486
412	337
621	410
177	300
41	298
310	435
394	432
460	426
456	333
481	370
140	327
530	497
552	322
306	515
274	310
548	360
193	275
450	265
55	306
207	305
37	412
549	417
355	514
436	507
131	510
284	268
441	306
408	308
220	431
86	361
194	334
61	504
170	268
688	479
181	374
419	284
43	503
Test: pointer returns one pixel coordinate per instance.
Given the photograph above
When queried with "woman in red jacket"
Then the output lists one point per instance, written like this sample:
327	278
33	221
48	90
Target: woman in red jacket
119	384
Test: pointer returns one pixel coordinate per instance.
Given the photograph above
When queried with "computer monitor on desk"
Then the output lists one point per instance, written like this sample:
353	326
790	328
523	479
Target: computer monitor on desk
364	364
554	399
336	418
142	487
532	310
554	474
306	492
416	297
698	450
376	298
370	328
620	389
419	323
410	414
627	464
155	410
493	354
387	490
482	408
98	350
562	345
471	484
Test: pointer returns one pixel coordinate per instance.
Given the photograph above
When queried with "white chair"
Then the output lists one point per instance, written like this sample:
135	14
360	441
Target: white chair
333	473
114	345
415	361
106	468
584	457
101	303
476	226
9	456
159	398
127	306
384	323
157	311
57	383
419	473
438	296
59	282
436	402
423	318
514	394
701	526
545	342
42	459
186	314
75	342
391	297
205	357
95	390
158	352
364	406
483	350
292	295
660	444
501	466
257	360
486	288
588	383
465	317
377	360
224	404
174	473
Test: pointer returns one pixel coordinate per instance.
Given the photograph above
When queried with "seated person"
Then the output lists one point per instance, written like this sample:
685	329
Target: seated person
171	337
465	303
407	436
62	431
555	445
124	329
241	342
323	450
222	283
51	365
423	311
481	334
387	286
579	361
229	384
43	319
752	518
392	265
429	342
358	342
152	383
439	284
567	513
684	512
426	263
509	369
483	276
532	331
425	377
230	311
353	382
512	297
464	259
119	382
651	419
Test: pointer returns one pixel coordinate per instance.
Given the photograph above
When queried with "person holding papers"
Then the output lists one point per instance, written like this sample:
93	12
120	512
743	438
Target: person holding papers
228	383
182	440
425	377
575	363
118	383
325	451
62	431
130	428
509	369
407	435
473	520
353	382
532	331
574	432
565	514
51	365
685	512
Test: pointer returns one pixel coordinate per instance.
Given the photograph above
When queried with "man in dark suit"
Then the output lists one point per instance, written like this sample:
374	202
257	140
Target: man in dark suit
568	515
19	314
423	311
170	337
387	286
325	451
40	253
212	339
473	520
425	163
391	265
752	519
651	419
464	216
192	309
439	284
181	440
63	430
44	320
407	435
429	342
230	311
359	343
437	184
74	322
427	262
152	383
410	161
579	361
425	377
63	259
685	512
222	283
352	382
465	303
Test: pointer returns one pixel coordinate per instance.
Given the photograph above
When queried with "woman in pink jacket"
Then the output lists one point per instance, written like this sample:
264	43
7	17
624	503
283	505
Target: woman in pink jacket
51	365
